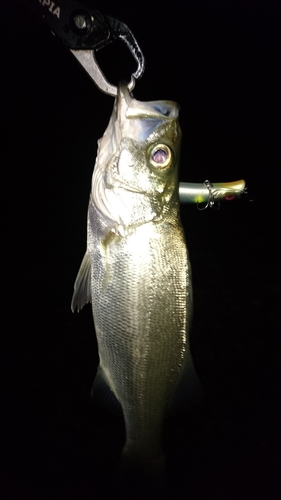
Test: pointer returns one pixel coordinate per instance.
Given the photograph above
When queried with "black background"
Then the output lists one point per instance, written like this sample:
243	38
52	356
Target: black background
221	61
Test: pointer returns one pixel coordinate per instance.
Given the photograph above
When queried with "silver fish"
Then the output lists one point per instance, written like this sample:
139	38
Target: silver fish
136	270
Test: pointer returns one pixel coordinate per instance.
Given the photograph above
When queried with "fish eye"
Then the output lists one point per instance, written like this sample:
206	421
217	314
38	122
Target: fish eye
160	156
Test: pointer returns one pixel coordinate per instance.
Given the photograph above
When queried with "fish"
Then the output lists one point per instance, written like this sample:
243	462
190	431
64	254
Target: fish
136	272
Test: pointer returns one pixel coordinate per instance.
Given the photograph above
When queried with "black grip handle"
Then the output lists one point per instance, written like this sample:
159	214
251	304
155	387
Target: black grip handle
77	24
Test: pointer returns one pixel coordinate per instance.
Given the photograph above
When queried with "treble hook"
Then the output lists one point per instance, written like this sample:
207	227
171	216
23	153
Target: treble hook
211	201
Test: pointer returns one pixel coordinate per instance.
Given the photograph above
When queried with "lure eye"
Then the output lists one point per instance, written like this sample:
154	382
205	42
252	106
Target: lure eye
160	156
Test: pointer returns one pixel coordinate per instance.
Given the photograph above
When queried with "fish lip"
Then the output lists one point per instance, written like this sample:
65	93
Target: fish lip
123	102
123	90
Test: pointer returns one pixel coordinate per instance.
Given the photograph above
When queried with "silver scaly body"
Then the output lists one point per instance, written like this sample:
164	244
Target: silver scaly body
136	270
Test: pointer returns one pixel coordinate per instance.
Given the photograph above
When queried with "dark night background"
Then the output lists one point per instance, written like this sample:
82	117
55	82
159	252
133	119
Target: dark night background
221	61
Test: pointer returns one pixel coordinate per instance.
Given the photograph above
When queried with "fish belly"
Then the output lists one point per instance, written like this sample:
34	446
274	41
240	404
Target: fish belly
141	306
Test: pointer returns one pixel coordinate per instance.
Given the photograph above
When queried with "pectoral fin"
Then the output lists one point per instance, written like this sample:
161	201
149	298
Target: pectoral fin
82	285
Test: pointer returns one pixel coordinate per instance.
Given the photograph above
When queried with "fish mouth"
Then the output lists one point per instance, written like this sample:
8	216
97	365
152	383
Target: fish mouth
148	109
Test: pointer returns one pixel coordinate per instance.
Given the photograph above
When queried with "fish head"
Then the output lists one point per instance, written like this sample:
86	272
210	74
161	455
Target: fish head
135	178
